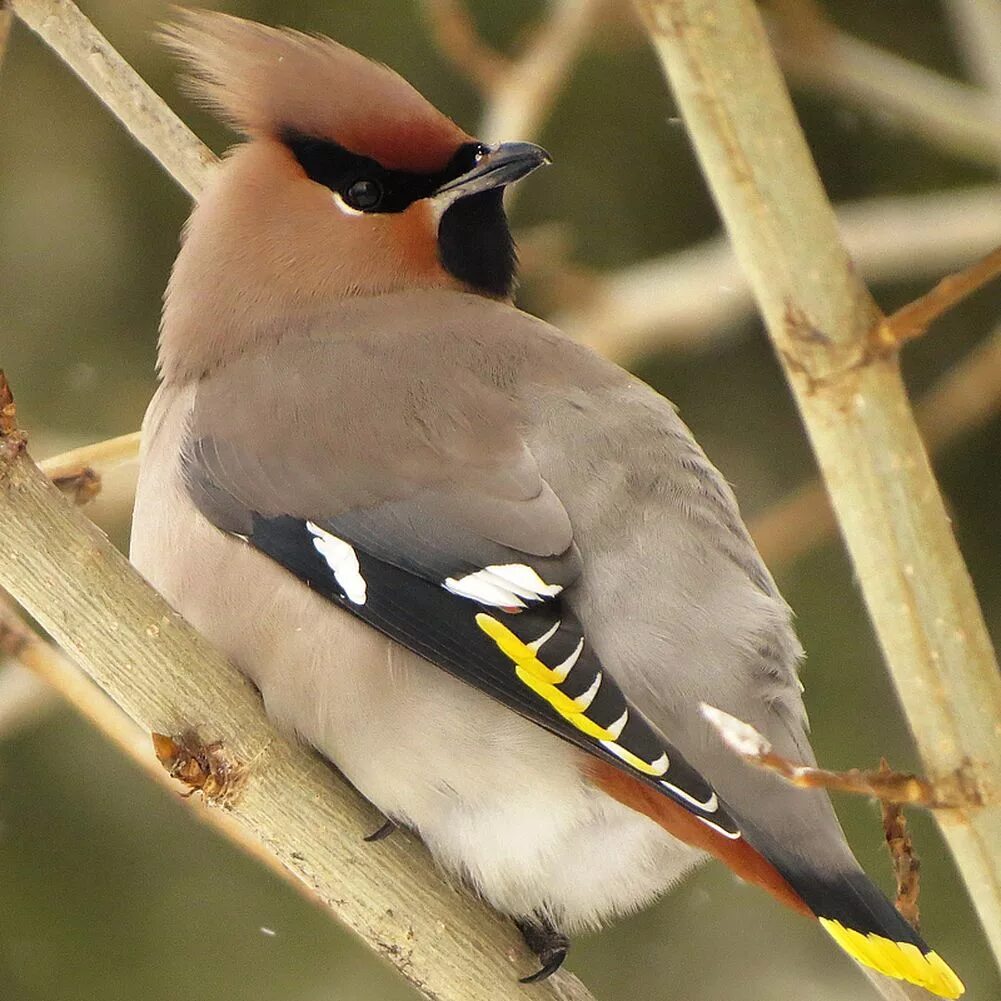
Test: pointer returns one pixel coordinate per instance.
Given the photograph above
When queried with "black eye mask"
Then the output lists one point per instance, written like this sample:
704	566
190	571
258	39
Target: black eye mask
363	183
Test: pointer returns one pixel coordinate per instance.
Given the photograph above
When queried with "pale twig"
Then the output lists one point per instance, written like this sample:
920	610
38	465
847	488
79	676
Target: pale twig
100	459
977	26
820	317
84	49
889	786
456	36
518	92
966	397
955	117
523	97
916	317
698	295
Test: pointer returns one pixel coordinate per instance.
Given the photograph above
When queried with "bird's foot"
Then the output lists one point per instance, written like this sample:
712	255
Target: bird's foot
383	832
548	944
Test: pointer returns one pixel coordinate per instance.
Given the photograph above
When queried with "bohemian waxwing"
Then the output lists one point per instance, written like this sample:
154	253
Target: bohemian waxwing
487	573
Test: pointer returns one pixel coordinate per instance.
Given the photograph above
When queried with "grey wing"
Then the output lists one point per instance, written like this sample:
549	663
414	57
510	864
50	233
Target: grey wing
465	556
678	600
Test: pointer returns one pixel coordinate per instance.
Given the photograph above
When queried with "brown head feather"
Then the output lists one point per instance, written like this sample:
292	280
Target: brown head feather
264	81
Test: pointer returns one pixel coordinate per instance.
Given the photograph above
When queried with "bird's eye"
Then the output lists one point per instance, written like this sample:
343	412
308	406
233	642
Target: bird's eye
480	152
364	195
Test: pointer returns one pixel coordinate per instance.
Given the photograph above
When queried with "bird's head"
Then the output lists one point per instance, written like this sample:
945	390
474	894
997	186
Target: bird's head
350	183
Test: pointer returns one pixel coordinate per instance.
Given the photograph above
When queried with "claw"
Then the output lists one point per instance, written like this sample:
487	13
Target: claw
549	967
548	944
383	832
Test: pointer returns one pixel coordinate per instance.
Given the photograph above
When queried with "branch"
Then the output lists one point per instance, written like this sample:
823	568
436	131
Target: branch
916	317
966	397
977	26
518	93
882	784
134	103
48	664
953	116
700	294
892	789
820	316
169	680
455	34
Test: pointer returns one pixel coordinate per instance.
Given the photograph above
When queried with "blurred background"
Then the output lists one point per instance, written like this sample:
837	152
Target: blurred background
109	890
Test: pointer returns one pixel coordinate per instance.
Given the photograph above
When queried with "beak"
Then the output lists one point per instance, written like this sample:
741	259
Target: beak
499	166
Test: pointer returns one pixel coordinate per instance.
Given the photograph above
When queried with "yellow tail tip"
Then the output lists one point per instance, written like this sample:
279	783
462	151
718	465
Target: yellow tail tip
897	959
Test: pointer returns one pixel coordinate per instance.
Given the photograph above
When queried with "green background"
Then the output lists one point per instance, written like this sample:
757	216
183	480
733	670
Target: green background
109	891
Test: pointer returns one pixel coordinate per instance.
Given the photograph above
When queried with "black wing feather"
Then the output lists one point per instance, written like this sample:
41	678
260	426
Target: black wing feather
419	613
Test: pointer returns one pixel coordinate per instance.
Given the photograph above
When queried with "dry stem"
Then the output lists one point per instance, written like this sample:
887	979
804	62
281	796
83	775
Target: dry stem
87	52
903	858
956	117
699	294
821	317
518	93
913	320
456	36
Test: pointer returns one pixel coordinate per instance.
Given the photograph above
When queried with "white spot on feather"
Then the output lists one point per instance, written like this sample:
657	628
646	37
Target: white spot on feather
342	560
616	728
545	637
507	585
710	805
584	700
562	670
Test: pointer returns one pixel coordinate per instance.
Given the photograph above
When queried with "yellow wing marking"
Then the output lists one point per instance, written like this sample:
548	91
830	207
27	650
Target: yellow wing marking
901	960
543	680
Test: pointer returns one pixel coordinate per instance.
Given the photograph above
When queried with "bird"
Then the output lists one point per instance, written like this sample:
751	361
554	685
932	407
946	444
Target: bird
487	573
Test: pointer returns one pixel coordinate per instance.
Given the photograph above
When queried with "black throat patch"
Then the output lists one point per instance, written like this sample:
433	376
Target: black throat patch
475	243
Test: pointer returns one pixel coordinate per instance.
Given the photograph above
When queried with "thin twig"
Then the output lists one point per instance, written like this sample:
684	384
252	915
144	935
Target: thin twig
523	97
456	36
977	25
87	52
890	787
916	317
903	857
518	92
101	458
698	295
956	117
820	316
